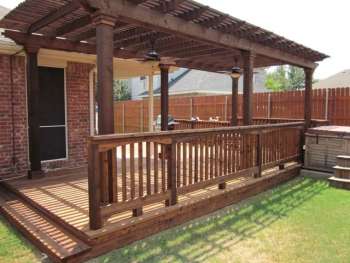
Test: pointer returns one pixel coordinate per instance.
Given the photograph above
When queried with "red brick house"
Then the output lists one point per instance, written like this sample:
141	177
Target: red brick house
67	107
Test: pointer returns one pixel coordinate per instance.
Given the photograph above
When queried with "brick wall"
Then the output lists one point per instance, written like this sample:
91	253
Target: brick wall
15	162
78	112
13	118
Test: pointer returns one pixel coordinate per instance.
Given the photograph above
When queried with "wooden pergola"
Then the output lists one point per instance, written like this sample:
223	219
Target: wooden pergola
193	35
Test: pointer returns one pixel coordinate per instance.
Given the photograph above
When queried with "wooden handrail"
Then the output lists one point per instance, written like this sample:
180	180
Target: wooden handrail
115	138
129	171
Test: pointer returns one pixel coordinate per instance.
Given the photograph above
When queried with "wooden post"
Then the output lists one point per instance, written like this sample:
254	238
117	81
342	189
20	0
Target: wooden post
234	118
96	175
105	50
150	102
248	59
94	185
308	96
33	93
171	154
164	96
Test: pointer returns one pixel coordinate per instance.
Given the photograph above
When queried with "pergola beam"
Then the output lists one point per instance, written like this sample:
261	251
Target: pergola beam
62	44
156	20
54	16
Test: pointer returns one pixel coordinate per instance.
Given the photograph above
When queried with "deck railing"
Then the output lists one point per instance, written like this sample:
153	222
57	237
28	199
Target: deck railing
184	124
128	172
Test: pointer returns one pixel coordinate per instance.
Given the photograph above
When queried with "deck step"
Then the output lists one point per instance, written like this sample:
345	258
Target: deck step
339	183
343	160
49	237
342	172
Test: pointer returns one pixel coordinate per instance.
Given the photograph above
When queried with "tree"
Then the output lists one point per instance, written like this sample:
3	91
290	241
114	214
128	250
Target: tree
277	80
121	90
285	78
296	78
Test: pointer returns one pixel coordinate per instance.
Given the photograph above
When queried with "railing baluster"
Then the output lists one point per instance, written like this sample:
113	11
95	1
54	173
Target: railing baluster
148	168
171	156
112	175
124	188
163	152
206	165
190	164
140	168
132	171
196	166
155	167
184	164
201	161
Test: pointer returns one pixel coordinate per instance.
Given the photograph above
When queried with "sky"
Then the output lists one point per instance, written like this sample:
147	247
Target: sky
319	24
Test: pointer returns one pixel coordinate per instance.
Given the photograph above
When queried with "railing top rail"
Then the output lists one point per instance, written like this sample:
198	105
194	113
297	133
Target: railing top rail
120	138
262	118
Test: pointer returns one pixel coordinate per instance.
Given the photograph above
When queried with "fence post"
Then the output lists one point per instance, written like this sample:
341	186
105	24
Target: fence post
326	105
94	184
225	109
171	156
259	155
269	106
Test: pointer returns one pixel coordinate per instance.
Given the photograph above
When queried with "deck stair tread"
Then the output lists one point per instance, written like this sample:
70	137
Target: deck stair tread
337	179
338	167
47	235
344	157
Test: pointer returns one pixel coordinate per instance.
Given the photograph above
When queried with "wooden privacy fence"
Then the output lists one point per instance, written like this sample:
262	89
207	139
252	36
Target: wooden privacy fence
128	172
331	104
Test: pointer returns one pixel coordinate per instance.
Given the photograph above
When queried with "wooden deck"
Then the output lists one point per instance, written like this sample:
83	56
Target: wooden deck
59	203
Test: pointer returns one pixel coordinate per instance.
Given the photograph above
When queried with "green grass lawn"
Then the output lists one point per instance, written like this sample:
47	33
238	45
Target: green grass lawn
13	247
301	221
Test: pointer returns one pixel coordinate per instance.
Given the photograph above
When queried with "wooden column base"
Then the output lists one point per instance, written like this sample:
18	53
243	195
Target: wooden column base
222	186
137	212
36	174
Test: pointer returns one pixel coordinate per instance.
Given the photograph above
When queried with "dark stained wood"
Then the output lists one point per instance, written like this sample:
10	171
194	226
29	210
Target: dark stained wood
234	119
33	112
308	96
164	96
53	16
104	34
94	184
248	67
166	23
61	44
72	26
128	230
